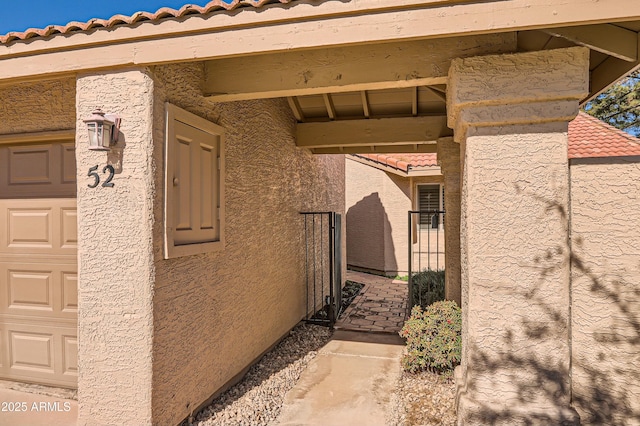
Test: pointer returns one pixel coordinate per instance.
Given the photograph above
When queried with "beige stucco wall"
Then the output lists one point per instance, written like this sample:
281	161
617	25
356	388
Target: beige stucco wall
377	203
511	113
214	313
158	337
605	230
115	259
365	217
39	106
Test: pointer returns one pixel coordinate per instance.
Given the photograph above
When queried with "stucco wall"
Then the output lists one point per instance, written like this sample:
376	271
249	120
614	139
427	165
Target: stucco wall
605	227
115	257
35	107
214	313
377	203
366	217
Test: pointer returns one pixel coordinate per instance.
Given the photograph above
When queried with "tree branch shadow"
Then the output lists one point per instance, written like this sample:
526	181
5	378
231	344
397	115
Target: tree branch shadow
601	327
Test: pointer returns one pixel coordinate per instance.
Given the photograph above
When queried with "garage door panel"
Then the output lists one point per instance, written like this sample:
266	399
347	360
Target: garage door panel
30	164
30	228
70	356
40	353
68	228
30	290
38	170
39	289
69	164
70	293
31	351
39	226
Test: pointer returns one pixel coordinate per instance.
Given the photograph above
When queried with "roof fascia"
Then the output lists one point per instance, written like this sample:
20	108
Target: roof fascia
305	25
378	165
432	171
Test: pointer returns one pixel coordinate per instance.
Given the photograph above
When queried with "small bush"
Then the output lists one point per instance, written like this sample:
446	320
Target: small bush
434	339
428	287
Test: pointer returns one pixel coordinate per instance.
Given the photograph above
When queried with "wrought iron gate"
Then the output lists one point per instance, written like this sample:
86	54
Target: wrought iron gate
426	256
323	266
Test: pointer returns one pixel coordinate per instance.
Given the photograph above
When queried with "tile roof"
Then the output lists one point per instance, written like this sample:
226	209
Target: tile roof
118	20
403	162
589	137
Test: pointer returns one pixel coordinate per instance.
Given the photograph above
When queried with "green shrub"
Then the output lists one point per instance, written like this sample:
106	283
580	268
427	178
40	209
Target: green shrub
433	336
428	287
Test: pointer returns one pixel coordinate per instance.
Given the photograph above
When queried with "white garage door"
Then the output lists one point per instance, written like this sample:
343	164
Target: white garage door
38	266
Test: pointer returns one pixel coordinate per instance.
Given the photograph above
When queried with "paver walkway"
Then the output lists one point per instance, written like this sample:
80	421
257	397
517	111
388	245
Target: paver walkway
350	382
381	305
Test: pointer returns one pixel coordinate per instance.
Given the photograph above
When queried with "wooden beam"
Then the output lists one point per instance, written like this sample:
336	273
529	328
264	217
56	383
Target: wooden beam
295	107
344	69
440	94
365	104
606	38
47	136
414	101
608	72
328	103
372	132
383	149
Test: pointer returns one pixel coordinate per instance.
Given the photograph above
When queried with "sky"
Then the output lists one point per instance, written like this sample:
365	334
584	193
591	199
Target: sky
19	15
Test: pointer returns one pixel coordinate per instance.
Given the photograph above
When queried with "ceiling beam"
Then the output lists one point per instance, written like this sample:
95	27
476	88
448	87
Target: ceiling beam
608	72
344	69
606	38
295	108
372	134
365	104
328	103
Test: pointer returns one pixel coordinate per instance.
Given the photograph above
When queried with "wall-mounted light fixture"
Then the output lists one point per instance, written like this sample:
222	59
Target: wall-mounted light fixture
103	130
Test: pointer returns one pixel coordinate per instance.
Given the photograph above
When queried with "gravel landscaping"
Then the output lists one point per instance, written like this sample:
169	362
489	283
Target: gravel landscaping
258	397
425	399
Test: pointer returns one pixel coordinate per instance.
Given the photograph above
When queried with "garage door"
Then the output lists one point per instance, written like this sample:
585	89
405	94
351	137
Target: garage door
38	266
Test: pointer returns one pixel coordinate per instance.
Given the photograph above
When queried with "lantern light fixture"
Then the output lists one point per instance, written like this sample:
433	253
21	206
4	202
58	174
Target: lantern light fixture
103	130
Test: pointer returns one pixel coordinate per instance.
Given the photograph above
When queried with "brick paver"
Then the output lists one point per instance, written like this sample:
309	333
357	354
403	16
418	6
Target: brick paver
381	305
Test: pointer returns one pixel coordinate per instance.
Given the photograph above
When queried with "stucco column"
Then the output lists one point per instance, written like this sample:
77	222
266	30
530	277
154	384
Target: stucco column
449	160
115	257
511	112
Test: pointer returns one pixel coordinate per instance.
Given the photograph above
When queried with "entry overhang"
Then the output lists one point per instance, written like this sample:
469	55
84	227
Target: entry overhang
299	26
346	68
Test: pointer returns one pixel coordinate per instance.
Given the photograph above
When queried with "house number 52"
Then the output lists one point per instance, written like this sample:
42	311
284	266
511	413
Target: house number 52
107	183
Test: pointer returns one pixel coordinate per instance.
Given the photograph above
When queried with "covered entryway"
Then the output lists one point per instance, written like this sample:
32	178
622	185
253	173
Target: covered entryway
38	264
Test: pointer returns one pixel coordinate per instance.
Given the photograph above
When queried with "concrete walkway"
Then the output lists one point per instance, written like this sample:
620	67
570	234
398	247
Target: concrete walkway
30	409
350	382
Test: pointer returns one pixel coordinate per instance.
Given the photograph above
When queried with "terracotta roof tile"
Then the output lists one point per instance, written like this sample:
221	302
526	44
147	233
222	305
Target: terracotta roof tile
589	137
116	20
403	162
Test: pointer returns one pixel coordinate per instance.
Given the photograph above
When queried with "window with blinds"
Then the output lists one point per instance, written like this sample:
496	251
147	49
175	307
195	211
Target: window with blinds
429	200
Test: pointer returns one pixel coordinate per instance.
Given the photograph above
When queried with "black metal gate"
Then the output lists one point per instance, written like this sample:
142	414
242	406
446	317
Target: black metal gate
323	266
426	257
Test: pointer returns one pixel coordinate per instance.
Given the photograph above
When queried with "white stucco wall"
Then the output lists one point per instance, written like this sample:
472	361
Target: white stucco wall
215	313
605	230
